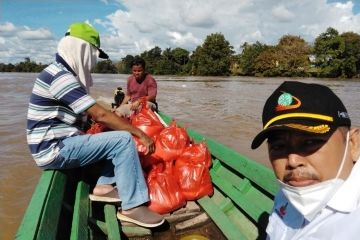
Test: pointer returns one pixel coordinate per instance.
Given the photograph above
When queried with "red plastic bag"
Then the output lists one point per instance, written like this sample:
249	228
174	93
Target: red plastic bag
192	172
145	160
171	142
164	191
197	153
97	128
147	121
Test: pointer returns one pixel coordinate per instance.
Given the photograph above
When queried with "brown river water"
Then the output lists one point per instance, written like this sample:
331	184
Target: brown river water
227	109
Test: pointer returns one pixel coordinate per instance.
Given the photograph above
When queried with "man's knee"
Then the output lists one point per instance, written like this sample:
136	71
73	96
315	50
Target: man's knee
125	137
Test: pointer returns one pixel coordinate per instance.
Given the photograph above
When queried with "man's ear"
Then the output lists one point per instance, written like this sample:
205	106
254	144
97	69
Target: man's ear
354	143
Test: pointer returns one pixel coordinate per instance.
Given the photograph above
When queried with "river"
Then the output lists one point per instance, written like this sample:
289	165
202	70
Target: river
227	109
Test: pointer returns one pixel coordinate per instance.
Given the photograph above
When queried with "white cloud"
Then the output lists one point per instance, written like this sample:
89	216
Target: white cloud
38	34
20	42
282	13
170	23
182	40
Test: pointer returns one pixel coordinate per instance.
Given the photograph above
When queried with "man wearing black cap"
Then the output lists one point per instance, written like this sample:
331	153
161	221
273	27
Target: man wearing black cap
314	152
60	102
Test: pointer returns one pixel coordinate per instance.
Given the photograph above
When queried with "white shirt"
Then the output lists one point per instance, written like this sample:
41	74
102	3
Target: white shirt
340	219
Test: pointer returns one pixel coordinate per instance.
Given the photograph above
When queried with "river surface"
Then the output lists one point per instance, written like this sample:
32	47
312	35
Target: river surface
227	109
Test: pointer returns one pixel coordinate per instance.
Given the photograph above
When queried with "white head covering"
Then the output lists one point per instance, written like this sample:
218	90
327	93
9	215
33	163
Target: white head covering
81	56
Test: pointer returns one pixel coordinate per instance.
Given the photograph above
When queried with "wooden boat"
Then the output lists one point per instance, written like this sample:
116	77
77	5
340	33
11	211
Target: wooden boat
239	208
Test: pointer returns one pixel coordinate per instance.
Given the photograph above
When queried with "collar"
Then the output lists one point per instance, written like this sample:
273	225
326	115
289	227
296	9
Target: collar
347	198
60	60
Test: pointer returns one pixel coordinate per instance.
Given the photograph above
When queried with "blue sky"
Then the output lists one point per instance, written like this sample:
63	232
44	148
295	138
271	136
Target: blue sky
30	28
55	14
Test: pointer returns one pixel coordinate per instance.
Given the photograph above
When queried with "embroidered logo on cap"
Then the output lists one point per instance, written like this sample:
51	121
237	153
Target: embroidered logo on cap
286	101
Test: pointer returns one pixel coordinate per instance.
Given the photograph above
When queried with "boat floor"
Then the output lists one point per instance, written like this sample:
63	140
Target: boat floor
190	220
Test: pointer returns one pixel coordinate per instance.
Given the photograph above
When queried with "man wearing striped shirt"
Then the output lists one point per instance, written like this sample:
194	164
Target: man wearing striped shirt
59	104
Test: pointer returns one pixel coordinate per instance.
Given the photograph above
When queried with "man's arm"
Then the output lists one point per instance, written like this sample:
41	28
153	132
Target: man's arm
125	100
111	120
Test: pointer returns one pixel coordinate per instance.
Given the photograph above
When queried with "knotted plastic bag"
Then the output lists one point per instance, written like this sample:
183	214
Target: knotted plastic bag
147	121
164	191
171	142
192	172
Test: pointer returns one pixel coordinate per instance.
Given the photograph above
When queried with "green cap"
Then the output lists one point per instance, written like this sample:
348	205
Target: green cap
87	33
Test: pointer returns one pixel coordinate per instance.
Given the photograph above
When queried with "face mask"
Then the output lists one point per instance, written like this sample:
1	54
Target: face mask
310	200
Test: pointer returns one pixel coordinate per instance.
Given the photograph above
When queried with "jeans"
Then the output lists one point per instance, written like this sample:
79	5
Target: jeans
122	165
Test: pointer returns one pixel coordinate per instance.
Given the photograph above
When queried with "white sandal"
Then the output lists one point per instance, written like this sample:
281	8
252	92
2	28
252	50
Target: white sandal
110	197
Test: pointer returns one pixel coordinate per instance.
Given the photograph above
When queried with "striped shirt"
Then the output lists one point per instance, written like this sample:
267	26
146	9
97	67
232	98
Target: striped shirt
56	110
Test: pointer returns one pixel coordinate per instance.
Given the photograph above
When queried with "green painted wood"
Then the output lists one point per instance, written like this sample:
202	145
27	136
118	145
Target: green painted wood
91	231
136	231
112	224
51	213
79	226
100	224
246	196
254	209
221	219
30	223
242	222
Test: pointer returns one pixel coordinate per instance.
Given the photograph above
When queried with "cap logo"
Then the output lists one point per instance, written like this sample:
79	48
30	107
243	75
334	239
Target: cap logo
343	114
286	101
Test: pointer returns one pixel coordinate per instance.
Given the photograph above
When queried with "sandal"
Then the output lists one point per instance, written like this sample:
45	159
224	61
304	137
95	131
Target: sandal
110	197
142	216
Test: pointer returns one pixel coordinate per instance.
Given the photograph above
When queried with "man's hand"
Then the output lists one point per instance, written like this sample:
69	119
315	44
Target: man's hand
148	143
111	120
135	105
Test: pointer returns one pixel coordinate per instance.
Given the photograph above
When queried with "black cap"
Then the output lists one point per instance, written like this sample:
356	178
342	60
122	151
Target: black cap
307	107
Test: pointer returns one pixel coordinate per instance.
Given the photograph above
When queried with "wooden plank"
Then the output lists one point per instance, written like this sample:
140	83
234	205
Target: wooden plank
245	195
221	220
238	218
51	213
253	209
29	226
134	231
112	224
79	226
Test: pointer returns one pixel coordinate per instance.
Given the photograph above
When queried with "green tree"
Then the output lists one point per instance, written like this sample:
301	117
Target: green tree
165	65
293	54
181	59
267	63
27	66
212	57
151	57
329	48
351	54
105	67
124	66
248	56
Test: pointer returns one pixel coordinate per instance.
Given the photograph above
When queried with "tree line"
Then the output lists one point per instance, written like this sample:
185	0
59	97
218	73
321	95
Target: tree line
331	55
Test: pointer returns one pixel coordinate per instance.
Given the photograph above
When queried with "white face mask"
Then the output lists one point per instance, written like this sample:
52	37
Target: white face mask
310	200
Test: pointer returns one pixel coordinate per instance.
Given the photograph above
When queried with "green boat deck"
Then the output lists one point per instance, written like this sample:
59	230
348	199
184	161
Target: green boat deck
240	206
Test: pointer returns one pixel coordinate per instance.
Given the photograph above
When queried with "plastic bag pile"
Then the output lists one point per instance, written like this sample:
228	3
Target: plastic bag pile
178	170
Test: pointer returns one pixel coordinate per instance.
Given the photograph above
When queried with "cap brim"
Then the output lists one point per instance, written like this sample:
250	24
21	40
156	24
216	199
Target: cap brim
264	134
102	54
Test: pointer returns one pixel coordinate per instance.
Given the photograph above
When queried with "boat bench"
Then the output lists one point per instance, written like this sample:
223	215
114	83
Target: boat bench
243	191
53	211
